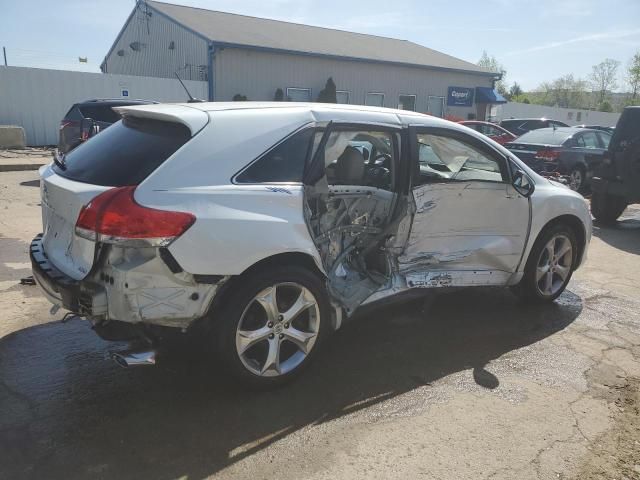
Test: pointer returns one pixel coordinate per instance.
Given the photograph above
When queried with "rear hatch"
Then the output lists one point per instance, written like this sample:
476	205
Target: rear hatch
123	155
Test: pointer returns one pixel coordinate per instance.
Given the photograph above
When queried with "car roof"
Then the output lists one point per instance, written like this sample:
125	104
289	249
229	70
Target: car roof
527	119
196	115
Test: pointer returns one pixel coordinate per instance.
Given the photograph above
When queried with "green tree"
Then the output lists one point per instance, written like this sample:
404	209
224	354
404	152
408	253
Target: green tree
514	91
279	96
328	93
566	92
490	63
605	107
633	75
603	77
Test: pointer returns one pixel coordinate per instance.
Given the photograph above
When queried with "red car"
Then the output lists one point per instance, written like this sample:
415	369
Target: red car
491	130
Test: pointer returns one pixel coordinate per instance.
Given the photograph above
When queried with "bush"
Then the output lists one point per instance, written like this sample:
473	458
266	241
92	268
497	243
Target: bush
240	98
328	94
279	96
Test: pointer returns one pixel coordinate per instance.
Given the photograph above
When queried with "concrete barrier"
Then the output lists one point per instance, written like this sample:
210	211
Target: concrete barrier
12	136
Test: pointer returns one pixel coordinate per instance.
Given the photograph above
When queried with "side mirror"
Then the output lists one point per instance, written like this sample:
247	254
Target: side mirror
522	183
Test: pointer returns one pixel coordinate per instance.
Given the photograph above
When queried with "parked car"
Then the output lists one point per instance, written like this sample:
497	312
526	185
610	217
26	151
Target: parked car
520	126
567	151
264	226
598	127
491	130
85	119
616	182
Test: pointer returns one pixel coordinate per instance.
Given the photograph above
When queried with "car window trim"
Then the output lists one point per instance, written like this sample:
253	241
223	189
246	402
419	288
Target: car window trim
484	148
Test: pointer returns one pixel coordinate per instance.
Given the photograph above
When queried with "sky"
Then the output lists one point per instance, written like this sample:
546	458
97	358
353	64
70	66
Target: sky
536	41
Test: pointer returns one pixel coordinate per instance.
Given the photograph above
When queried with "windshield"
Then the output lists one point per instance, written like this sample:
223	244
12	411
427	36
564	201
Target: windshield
545	136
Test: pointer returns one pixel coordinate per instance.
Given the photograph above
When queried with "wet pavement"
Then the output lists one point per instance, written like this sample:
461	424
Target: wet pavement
472	384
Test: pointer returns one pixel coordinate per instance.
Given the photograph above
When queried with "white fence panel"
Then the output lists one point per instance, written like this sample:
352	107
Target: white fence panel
37	99
570	116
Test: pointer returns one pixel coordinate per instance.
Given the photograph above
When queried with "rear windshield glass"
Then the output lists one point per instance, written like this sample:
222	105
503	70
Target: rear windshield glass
100	113
545	137
125	153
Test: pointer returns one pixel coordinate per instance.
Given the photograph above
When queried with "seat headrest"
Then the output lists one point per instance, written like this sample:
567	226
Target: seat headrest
350	167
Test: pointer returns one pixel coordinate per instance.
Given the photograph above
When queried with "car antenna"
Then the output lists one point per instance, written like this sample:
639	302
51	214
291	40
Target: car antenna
191	98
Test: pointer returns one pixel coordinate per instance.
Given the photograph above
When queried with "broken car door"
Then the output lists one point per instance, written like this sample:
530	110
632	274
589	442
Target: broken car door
349	206
470	225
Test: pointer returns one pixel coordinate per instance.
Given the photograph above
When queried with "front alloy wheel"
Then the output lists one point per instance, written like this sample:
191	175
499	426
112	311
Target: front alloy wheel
278	329
554	265
550	265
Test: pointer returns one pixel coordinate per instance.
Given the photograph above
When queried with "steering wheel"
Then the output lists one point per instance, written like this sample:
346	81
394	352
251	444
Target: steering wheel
386	160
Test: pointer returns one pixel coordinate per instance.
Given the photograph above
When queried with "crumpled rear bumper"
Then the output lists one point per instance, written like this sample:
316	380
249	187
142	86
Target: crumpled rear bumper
56	286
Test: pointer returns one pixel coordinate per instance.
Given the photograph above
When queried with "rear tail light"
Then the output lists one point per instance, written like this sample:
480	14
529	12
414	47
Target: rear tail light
548	155
115	217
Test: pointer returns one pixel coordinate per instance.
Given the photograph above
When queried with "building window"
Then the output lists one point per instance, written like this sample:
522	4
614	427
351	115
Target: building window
407	102
435	106
342	96
298	94
374	99
570	115
578	116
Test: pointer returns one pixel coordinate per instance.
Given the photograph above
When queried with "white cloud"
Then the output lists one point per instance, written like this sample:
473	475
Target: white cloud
604	36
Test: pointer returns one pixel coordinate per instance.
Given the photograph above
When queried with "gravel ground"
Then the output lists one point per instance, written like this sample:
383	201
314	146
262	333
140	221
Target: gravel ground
473	385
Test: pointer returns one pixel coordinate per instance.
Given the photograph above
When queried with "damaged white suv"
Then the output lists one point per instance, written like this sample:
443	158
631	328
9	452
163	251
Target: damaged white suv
273	223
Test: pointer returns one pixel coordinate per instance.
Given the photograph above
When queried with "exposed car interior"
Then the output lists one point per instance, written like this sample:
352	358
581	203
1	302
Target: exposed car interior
349	210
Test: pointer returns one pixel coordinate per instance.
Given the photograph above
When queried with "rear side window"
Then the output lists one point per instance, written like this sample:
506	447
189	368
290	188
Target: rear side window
125	153
283	163
102	113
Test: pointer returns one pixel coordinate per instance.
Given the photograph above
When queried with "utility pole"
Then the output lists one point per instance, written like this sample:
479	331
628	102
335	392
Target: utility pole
4	53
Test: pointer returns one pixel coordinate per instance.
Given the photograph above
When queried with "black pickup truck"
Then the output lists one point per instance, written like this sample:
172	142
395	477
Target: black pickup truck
616	182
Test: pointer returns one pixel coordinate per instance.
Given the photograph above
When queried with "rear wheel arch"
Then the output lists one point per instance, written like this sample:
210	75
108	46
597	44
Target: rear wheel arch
299	259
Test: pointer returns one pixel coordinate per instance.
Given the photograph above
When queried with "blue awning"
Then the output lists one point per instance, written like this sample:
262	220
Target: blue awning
488	95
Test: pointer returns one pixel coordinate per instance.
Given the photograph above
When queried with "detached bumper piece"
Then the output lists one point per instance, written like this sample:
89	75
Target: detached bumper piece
58	287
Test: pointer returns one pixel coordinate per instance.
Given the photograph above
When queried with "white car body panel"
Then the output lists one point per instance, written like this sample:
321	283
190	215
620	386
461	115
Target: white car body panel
238	225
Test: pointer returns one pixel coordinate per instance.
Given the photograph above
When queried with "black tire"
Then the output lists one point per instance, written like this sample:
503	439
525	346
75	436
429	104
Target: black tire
528	288
578	177
228	320
606	208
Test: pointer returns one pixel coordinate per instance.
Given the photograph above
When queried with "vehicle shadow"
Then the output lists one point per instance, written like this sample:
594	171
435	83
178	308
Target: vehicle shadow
625	235
67	412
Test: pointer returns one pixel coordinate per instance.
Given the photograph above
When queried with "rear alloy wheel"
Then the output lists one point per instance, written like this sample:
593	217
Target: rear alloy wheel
273	325
551	263
278	330
576	179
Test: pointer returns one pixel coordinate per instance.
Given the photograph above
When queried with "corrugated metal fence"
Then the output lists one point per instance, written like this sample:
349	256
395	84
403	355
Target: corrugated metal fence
37	99
571	116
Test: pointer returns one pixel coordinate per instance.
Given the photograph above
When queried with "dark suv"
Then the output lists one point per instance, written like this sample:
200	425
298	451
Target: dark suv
520	126
616	183
85	119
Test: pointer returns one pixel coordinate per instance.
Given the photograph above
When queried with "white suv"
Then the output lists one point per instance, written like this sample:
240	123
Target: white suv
272	223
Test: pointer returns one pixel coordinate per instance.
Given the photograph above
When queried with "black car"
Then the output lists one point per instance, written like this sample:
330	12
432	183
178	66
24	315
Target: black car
520	126
85	119
616	181
573	152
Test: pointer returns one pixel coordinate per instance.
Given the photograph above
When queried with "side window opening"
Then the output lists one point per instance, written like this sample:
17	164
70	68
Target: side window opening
284	163
358	157
446	159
